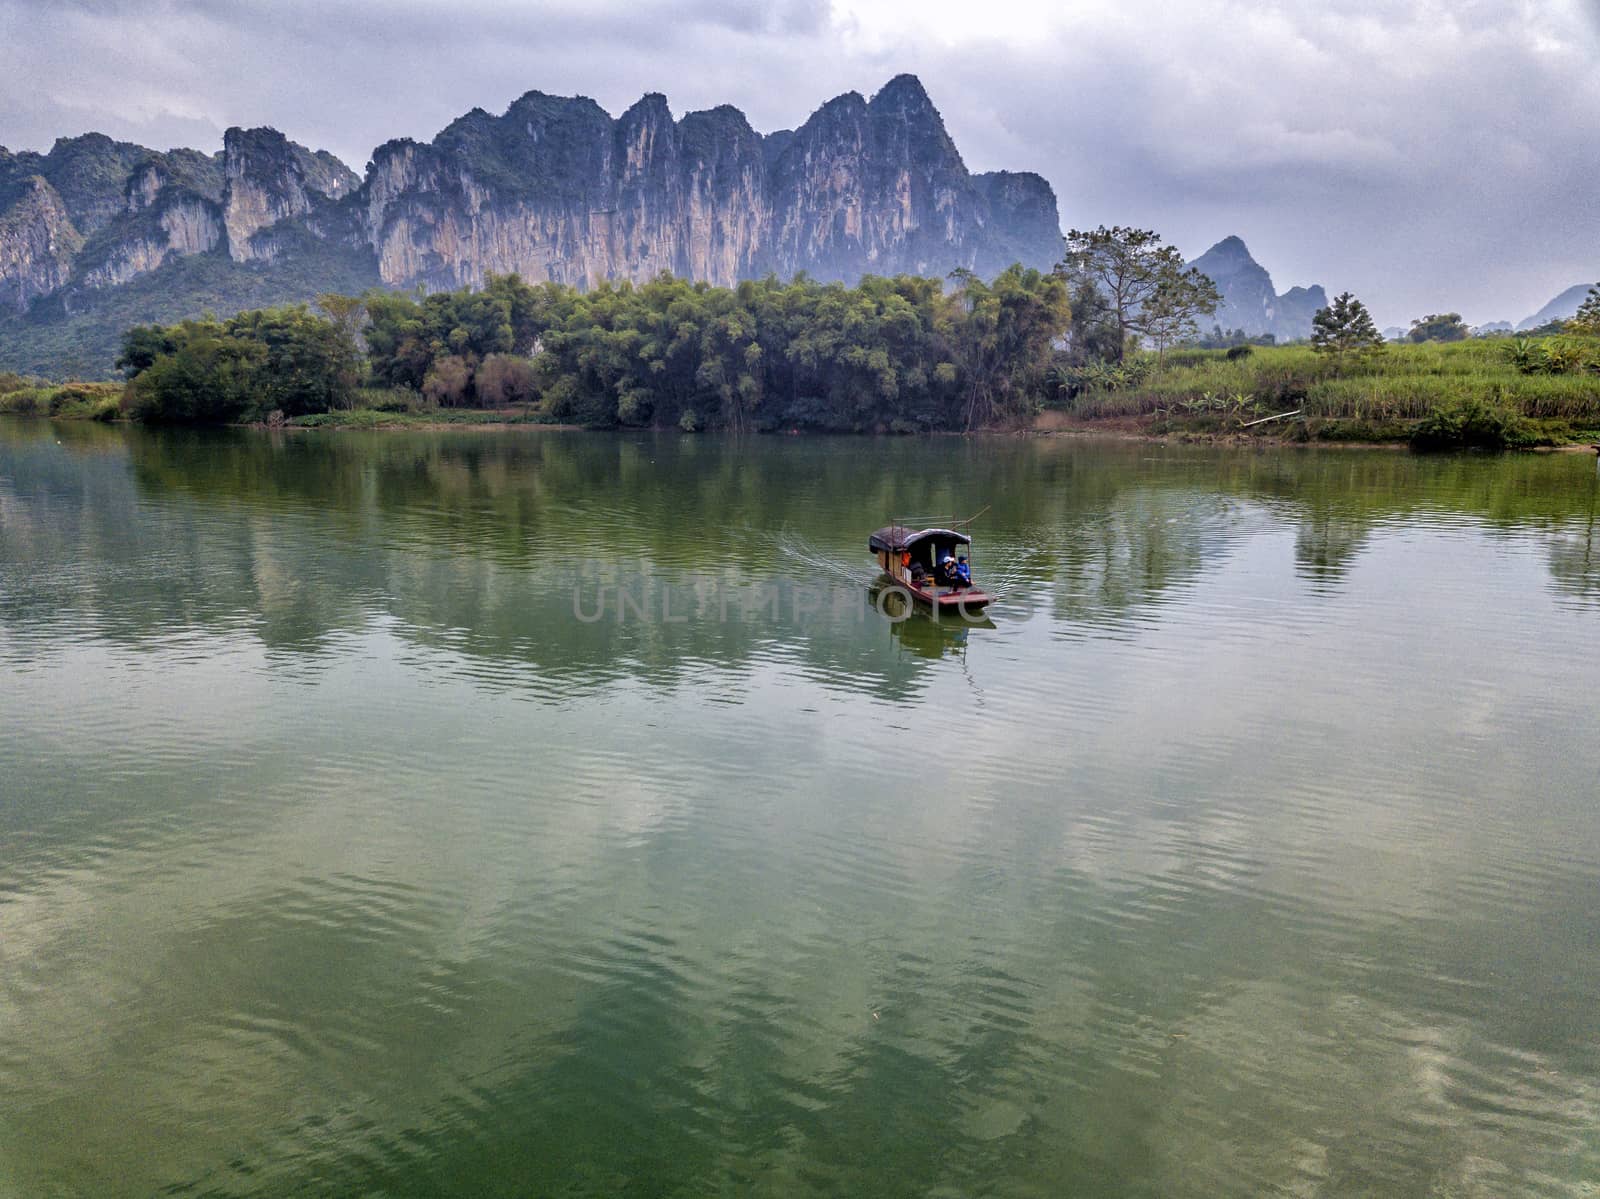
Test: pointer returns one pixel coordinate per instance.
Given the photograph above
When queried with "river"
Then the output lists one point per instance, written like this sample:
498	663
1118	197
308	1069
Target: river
543	813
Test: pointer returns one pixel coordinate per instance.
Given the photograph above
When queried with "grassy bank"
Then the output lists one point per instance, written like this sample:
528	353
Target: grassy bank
402	408
374	408
1465	393
1474	394
65	401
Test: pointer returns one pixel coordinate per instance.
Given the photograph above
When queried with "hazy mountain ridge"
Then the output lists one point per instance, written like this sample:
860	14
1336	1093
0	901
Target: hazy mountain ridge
1563	307
553	188
1249	299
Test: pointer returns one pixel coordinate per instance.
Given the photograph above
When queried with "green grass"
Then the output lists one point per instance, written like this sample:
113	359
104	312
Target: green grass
1383	397
63	401
376	408
387	418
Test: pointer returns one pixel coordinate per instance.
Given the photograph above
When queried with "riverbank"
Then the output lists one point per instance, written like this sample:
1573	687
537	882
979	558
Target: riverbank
61	401
1487	393
1485	423
1296	432
439	418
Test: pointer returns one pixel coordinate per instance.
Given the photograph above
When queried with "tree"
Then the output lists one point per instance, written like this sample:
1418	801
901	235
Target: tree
1145	284
448	381
503	380
1436	326
1587	321
1344	327
1002	336
210	372
1171	313
348	314
1094	334
142	345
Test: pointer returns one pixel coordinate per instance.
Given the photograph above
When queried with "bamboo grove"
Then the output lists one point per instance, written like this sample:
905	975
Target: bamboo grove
895	354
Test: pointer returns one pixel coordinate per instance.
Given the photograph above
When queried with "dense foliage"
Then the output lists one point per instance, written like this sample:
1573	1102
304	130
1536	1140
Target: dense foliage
898	354
284	361
1439	326
902	353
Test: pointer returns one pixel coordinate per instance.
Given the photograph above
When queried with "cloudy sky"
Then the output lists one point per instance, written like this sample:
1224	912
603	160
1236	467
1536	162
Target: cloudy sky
1428	156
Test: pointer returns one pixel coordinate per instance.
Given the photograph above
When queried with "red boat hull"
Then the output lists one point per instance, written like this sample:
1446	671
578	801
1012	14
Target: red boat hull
942	599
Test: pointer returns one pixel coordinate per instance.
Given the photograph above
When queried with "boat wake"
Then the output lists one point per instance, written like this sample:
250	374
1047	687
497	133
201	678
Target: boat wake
798	549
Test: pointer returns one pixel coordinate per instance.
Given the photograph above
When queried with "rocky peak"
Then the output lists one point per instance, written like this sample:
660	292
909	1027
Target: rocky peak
1313	297
646	136
1230	262
1231	249
270	179
1249	300
902	94
1563	307
87	172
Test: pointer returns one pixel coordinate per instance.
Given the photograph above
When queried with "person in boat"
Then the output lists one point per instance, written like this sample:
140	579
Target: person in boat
949	574
963	573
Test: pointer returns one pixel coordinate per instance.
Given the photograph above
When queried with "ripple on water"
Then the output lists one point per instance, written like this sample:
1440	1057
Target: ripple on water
1249	851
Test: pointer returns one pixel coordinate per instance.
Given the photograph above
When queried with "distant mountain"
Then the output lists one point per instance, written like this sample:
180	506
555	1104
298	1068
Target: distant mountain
1493	327
98	232
1563	307
1250	302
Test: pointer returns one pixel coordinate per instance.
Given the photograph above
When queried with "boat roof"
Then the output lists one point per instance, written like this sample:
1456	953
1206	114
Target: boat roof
895	539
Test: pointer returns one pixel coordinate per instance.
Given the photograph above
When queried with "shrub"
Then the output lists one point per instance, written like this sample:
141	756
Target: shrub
1474	424
392	399
505	379
447	381
23	401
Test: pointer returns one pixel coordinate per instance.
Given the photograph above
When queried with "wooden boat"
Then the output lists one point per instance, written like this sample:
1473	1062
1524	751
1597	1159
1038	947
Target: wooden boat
909	557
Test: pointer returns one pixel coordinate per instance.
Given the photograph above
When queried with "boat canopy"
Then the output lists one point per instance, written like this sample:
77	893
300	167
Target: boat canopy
895	539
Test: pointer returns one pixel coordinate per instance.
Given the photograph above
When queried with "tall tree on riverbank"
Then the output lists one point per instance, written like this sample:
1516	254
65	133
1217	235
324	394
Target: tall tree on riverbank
1345	327
1173	313
1002	338
1145	283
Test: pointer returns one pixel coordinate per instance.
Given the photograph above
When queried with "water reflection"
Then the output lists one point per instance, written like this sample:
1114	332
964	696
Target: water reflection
1247	848
473	541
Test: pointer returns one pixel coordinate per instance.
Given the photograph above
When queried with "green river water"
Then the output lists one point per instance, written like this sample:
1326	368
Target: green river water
539	813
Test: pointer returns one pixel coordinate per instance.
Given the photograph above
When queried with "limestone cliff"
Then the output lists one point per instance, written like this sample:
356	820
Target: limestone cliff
557	189
553	188
37	243
270	179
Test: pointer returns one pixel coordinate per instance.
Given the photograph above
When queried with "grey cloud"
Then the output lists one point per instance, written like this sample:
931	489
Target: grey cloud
1425	155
